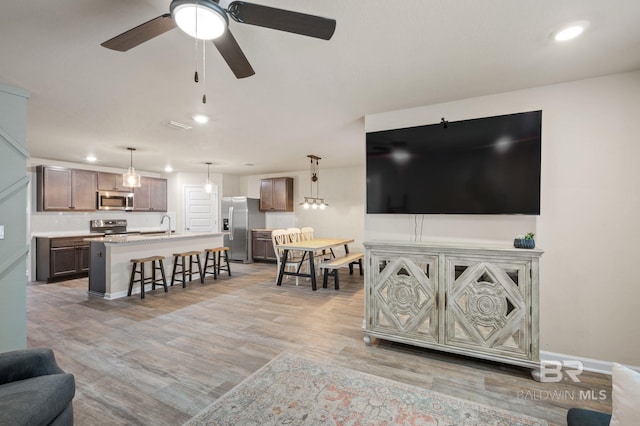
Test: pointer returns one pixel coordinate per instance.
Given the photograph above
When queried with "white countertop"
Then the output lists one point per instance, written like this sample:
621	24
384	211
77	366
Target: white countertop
123	239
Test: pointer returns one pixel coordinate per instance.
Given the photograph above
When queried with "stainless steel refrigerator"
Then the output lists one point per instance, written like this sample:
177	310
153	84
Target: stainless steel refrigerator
239	216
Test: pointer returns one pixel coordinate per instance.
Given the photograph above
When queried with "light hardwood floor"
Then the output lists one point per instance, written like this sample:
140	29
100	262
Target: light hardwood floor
160	360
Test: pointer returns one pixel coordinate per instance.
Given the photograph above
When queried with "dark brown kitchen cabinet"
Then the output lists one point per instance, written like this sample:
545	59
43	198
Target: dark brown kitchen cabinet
276	194
62	258
151	195
62	189
111	182
262	246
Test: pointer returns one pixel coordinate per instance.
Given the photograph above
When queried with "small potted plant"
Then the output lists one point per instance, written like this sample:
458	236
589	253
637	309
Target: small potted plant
525	241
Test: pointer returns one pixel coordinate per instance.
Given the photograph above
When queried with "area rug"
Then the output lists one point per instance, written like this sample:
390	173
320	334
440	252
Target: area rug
295	390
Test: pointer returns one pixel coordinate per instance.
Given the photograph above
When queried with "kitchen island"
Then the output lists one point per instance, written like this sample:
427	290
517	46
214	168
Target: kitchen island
110	256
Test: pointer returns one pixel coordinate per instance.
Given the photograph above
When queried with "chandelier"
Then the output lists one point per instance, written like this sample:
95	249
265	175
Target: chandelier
311	201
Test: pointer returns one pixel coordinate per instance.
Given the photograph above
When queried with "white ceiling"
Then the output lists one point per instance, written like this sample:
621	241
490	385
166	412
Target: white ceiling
308	96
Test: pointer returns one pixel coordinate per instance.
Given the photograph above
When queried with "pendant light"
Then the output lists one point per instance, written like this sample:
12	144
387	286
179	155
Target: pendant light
208	186
131	179
311	201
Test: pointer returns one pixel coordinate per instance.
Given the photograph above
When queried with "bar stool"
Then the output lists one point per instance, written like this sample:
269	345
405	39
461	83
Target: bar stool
214	255
142	280
183	267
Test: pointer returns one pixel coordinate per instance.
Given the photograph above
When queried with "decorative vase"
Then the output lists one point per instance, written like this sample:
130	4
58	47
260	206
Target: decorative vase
524	243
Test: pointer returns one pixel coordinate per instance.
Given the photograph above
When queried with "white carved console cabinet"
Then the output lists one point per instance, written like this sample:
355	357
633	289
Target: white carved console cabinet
476	300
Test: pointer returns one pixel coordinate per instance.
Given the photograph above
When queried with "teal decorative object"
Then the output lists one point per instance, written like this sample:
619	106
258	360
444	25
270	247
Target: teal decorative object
525	242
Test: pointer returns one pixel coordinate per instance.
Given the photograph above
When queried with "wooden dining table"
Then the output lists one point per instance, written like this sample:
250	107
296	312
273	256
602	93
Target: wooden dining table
310	247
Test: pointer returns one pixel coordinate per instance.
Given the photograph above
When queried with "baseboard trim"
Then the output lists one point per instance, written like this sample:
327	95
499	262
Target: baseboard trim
589	364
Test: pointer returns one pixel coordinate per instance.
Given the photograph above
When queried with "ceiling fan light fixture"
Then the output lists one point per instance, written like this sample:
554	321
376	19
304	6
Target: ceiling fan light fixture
201	19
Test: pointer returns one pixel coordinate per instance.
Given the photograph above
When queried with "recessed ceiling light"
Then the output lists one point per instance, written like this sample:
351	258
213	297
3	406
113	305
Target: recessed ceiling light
200	118
570	31
91	158
248	164
168	169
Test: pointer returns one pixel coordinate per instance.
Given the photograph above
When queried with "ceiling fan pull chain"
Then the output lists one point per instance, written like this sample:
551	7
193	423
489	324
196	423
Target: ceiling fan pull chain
195	77
204	73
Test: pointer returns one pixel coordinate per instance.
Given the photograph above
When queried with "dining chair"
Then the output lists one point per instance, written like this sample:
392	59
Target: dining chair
279	237
295	235
306	233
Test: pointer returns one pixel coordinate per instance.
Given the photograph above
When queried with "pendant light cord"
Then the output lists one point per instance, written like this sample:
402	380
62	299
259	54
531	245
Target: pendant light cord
317	180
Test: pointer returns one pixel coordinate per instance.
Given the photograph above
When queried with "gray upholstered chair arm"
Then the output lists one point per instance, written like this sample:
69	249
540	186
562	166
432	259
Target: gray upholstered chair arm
25	364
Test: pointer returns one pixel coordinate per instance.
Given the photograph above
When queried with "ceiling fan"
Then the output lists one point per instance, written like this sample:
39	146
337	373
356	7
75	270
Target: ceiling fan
207	20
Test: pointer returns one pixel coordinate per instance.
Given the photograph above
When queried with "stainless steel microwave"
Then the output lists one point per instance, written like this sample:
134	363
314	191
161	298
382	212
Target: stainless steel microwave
115	200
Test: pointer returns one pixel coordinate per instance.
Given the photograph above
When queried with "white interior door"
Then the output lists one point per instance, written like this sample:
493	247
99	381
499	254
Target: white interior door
200	209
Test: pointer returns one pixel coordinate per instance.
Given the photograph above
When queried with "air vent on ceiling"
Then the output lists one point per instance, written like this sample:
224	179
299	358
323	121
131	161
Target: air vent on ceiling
177	125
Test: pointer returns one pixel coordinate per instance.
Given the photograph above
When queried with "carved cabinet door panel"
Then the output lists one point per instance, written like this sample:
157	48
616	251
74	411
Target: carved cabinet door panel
487	306
403	296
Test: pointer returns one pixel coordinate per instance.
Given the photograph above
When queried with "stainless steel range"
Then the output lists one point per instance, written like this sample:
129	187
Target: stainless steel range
108	226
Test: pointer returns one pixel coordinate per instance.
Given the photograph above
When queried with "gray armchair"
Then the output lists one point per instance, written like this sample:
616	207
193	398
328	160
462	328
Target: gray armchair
34	390
584	417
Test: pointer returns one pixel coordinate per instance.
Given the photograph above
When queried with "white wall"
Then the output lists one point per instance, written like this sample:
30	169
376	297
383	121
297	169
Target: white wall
588	226
231	186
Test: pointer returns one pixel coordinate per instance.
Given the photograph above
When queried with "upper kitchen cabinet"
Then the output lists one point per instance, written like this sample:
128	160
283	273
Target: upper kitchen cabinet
62	189
276	194
111	182
151	195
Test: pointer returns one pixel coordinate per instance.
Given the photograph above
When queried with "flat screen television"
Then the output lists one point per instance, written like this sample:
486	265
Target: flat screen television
481	166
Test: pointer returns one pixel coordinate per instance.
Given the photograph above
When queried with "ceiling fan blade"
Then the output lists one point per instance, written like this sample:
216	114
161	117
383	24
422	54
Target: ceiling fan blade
233	55
283	20
138	35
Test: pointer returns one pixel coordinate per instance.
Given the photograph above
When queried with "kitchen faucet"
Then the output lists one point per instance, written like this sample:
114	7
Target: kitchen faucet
162	221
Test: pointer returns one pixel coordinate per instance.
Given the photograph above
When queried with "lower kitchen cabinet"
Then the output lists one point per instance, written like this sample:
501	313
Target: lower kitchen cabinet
62	258
262	246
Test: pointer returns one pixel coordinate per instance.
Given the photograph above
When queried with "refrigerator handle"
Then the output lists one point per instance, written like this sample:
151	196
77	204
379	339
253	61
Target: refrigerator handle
230	223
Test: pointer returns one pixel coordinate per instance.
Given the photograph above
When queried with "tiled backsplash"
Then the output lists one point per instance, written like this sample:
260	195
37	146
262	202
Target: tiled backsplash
64	222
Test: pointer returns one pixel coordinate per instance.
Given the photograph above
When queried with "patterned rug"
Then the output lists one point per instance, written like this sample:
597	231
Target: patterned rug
294	390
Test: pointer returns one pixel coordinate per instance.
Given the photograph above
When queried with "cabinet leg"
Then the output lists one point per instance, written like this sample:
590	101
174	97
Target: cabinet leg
367	339
537	376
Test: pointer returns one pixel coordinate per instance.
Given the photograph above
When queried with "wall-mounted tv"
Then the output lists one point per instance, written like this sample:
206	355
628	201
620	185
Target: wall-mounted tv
481	166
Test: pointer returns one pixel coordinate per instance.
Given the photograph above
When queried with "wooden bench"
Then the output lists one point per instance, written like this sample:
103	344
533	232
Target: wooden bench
333	265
